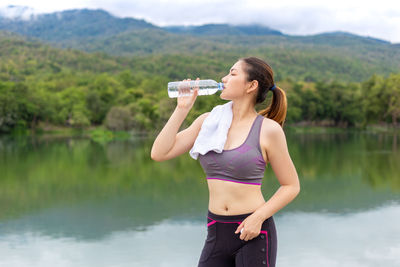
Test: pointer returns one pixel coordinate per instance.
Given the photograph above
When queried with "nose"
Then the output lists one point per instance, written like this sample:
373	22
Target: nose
223	79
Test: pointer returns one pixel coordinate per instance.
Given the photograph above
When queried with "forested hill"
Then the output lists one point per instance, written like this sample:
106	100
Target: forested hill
328	56
293	63
40	83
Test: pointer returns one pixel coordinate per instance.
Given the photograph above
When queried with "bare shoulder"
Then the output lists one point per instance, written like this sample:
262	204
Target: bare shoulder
270	126
270	131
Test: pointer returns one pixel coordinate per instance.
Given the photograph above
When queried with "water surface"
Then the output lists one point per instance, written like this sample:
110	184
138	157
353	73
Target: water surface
74	202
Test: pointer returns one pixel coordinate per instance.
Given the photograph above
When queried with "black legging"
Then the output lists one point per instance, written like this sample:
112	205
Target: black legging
224	248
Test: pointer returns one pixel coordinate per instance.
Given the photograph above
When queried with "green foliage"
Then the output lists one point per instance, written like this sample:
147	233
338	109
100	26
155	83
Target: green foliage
119	119
101	136
72	88
392	87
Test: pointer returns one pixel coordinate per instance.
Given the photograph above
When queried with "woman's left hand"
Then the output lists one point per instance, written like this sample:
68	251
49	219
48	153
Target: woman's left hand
251	227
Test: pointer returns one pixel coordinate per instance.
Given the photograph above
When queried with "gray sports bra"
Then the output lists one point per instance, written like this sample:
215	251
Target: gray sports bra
244	164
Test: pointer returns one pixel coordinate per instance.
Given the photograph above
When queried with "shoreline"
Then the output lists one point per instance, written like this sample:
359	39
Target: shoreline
101	134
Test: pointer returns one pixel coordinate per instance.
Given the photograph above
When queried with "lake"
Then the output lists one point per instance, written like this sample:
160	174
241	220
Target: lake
74	202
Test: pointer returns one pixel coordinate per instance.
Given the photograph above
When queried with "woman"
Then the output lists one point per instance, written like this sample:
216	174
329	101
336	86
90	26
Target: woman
241	229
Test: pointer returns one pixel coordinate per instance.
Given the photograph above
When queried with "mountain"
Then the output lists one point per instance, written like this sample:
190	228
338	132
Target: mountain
87	25
71	25
223	29
334	55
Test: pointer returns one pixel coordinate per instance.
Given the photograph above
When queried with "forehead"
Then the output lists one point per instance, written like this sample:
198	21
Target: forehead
237	66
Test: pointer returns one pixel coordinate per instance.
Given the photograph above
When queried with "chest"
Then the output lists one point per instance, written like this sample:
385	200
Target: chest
236	136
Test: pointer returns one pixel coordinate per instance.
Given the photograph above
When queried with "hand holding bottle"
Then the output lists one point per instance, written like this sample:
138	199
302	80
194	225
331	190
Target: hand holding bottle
186	99
204	87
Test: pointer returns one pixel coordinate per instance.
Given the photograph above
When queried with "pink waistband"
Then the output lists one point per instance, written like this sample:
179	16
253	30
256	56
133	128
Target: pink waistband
224	179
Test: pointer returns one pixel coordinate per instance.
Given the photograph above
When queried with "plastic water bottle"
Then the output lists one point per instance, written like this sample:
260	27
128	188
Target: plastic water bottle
186	88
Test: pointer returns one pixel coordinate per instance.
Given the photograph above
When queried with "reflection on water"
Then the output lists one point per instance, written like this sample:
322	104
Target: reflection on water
368	238
73	202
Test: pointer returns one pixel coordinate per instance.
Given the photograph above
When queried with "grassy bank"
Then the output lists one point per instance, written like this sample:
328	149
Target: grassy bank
102	135
311	127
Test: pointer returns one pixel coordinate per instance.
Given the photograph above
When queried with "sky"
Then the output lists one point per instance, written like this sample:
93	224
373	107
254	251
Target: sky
378	19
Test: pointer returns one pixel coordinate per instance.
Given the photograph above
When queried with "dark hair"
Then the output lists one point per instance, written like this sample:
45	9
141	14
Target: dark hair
258	69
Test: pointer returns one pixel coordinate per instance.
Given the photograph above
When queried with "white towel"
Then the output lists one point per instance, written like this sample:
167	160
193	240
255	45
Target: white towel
214	131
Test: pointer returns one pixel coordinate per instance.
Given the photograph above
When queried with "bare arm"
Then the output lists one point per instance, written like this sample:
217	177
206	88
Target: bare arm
169	143
284	170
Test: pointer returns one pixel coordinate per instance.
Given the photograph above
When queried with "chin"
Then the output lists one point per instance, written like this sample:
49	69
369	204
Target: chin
222	96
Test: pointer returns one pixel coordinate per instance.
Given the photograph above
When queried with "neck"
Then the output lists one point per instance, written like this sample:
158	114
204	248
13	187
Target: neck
242	111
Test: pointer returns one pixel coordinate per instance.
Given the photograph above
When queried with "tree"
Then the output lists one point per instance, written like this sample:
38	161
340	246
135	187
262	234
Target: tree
393	91
372	99
119	119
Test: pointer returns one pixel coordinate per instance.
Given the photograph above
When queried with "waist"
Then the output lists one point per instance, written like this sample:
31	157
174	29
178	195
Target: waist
234	218
232	198
228	218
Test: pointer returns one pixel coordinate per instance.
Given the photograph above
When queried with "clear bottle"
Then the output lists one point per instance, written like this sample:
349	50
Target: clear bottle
185	88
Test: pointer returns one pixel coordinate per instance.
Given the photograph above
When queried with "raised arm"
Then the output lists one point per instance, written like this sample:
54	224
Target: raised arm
169	143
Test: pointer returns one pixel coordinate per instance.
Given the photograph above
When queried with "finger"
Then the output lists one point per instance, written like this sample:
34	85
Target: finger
250	237
188	86
239	228
243	236
181	85
247	237
195	93
196	84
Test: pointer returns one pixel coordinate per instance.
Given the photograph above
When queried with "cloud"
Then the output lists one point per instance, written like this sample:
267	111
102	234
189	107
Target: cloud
380	20
368	18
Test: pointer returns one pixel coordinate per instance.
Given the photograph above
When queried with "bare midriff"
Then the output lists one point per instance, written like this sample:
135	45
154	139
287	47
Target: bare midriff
230	198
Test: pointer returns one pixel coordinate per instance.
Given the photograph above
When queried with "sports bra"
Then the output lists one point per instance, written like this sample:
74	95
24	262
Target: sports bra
244	164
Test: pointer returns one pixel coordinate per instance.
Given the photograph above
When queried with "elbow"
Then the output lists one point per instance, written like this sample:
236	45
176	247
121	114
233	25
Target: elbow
292	189
155	157
296	189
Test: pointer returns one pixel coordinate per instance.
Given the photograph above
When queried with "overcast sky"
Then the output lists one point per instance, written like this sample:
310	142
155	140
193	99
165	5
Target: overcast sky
379	19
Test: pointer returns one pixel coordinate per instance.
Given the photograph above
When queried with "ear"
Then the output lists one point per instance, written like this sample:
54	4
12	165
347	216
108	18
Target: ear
253	86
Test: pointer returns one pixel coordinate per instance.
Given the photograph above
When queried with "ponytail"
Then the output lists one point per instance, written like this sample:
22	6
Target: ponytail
277	109
258	69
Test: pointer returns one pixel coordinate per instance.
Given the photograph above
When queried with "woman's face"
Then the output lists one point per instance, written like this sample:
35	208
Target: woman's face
235	82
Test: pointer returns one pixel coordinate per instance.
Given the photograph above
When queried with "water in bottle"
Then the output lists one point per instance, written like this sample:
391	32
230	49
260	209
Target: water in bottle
185	88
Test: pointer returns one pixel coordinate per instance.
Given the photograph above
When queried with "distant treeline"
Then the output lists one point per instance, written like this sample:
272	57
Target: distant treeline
347	104
124	101
73	88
